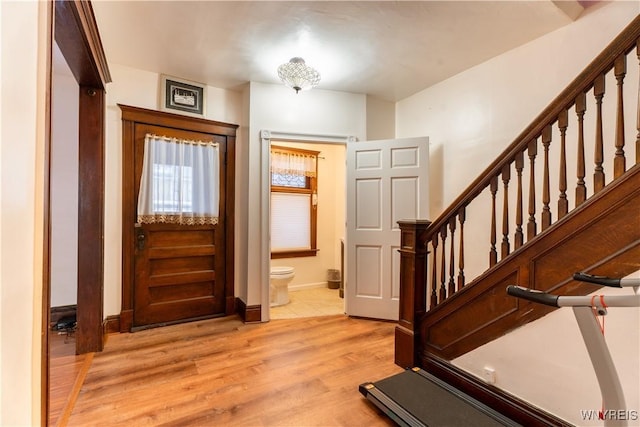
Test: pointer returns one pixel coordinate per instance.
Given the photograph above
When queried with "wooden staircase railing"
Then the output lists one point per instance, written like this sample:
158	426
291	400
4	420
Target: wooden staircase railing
449	302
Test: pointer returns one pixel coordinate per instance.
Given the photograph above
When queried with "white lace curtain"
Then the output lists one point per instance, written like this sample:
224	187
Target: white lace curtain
293	163
180	182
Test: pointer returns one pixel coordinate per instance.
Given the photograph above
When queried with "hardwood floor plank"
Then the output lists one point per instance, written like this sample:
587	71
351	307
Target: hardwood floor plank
297	372
75	390
65	367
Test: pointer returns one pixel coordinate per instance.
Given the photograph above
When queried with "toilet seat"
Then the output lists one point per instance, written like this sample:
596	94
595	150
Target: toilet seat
281	271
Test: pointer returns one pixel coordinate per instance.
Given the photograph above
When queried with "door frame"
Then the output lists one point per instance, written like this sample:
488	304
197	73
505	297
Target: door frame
135	115
73	27
265	200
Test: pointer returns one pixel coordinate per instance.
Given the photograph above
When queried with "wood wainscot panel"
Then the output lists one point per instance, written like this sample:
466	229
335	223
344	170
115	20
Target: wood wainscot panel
453	330
602	236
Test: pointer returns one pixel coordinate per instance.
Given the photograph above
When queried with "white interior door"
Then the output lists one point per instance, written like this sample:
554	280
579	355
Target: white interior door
387	181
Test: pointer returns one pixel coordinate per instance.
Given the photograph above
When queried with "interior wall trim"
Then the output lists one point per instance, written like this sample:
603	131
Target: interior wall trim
77	35
57	313
266	136
248	313
73	26
111	325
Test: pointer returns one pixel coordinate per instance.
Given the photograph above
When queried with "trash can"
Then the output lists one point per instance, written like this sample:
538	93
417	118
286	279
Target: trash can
333	279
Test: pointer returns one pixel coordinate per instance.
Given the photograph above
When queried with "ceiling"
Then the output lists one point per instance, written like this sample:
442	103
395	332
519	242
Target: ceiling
388	49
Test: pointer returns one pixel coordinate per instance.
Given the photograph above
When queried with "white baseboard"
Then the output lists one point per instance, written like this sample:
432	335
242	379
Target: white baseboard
300	287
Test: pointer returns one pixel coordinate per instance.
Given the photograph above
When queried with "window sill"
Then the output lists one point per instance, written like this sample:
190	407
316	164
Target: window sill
294	254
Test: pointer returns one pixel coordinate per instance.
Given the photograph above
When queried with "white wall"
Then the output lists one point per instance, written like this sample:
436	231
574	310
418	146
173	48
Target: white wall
312	271
470	118
64	187
546	362
381	120
278	108
139	88
22	134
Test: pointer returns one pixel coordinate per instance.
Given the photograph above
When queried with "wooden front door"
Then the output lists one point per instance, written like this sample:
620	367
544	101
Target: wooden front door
176	272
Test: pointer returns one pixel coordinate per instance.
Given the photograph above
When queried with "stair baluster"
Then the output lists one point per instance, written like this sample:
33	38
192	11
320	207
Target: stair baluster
581	188
434	272
461	219
532	152
506	176
546	198
598	175
563	203
452	265
443	265
493	254
519	237
620	70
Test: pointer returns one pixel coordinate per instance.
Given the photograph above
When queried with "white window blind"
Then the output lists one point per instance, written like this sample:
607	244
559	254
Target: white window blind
290	221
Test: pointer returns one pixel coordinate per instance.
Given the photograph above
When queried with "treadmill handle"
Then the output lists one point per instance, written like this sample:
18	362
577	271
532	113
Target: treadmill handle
599	280
533	295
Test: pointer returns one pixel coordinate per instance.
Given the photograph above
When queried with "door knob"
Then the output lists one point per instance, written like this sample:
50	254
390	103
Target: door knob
140	240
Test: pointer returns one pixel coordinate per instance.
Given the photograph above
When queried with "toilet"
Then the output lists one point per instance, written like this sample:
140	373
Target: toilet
279	285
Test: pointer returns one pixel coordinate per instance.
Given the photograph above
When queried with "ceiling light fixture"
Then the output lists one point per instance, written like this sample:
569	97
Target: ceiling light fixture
298	75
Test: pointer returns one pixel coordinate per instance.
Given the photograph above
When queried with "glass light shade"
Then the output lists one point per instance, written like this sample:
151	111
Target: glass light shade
298	75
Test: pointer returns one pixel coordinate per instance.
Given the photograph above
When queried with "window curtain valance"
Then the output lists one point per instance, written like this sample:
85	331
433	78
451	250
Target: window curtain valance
295	163
179	182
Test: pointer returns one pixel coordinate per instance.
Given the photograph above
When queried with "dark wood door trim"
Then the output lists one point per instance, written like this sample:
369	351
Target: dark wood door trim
89	336
72	25
76	32
130	117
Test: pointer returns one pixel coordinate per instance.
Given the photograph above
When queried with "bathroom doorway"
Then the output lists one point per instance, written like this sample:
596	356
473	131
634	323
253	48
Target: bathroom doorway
312	290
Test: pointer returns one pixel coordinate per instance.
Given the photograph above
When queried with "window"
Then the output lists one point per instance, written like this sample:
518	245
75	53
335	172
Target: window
294	183
179	182
172	184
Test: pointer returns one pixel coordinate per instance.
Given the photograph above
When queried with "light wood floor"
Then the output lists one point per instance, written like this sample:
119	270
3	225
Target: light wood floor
292	372
66	370
311	302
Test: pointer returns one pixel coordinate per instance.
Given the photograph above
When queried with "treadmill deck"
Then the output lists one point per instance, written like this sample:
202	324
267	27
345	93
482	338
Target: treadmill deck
416	398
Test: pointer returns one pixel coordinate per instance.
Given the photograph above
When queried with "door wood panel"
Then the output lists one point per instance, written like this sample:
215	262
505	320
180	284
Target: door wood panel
178	275
174	273
386	182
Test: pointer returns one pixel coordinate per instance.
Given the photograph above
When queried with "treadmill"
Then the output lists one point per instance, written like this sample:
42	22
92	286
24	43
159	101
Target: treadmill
415	398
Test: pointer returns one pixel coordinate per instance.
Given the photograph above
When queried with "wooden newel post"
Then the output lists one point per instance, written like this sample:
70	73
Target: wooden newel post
413	289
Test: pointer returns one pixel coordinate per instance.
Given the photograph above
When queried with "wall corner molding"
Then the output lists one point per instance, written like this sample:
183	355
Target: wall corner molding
249	313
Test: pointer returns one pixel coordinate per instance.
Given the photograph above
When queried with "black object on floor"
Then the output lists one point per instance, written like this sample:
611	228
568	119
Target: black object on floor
417	398
67	323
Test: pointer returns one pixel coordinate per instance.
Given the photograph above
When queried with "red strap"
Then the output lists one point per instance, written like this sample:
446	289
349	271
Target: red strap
604	304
